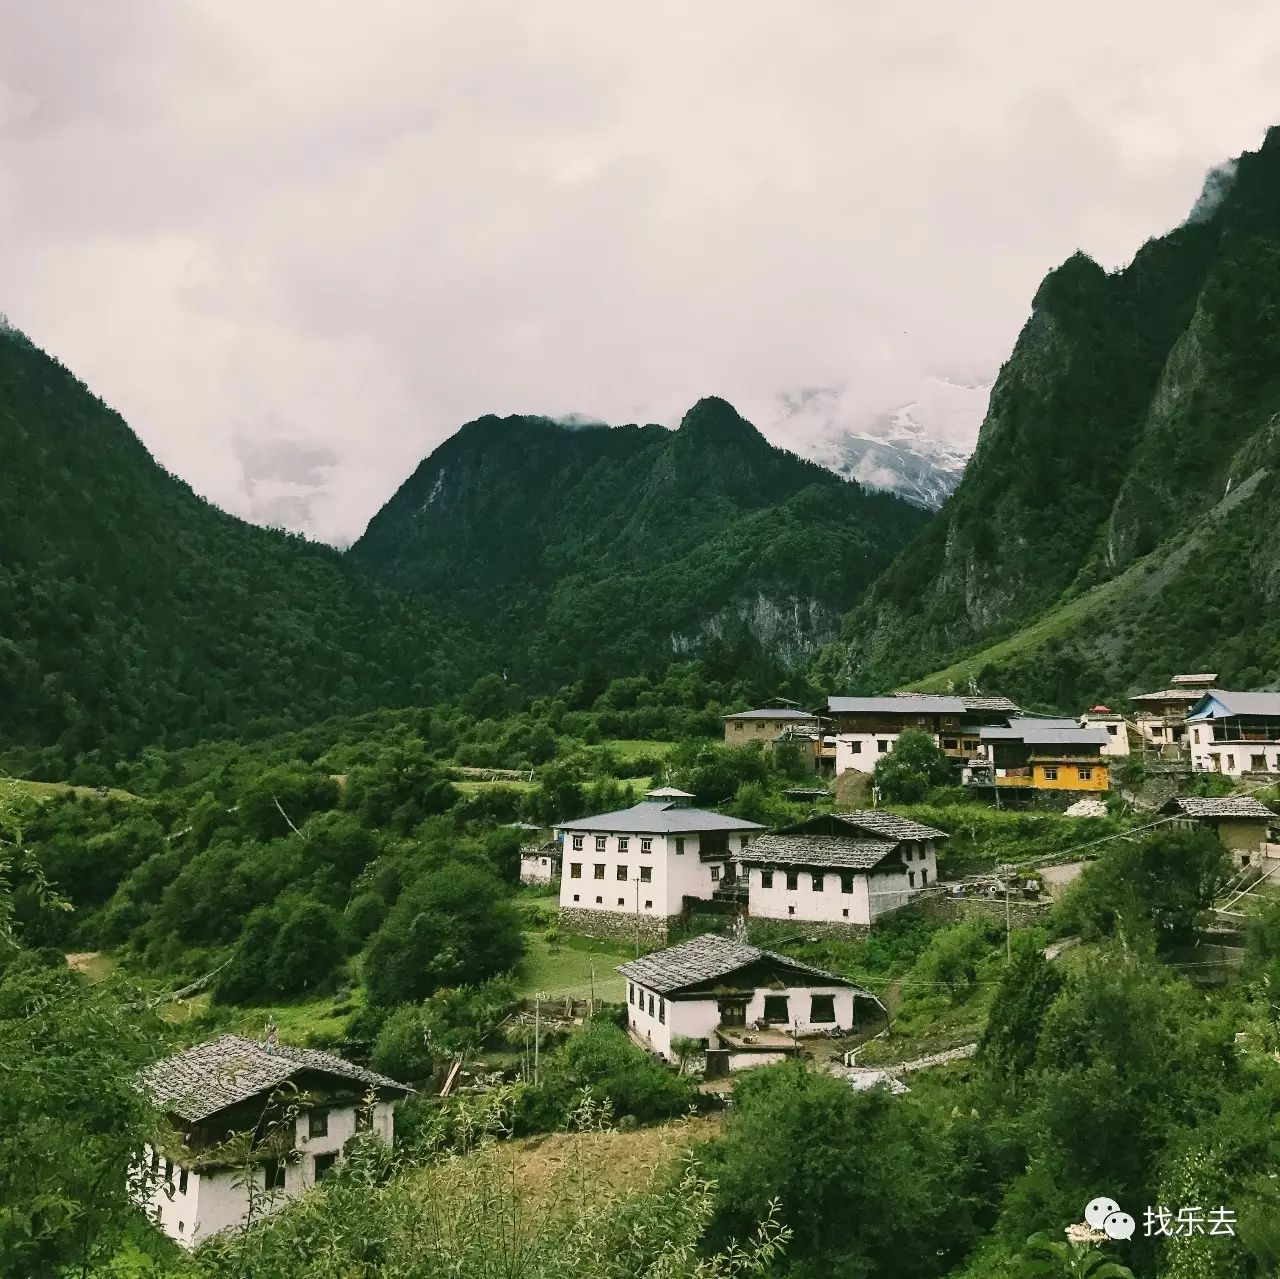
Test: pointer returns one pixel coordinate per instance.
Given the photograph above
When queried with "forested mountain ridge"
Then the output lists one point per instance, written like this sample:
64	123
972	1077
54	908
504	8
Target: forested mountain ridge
1132	404
630	546
136	613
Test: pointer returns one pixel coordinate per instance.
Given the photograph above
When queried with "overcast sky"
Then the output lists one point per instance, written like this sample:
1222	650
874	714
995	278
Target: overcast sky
297	243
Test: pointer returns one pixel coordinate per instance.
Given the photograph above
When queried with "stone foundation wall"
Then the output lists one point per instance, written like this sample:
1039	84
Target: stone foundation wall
613	925
955	909
767	932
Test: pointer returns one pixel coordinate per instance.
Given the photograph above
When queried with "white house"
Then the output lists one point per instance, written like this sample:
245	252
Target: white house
1112	723
627	873
840	869
540	863
868	727
730	995
239	1108
1235	733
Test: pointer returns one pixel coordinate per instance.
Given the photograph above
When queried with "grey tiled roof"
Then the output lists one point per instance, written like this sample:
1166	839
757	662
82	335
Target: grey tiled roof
221	1072
889	825
816	850
913	705
1245	703
704	959
1222	806
771	712
1032	734
658	819
918	704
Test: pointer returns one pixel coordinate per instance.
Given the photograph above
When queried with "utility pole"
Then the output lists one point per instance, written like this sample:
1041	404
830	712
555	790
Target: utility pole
591	1003
1005	871
637	937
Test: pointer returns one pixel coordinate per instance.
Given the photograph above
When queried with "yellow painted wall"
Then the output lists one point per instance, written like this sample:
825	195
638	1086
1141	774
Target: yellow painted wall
1069	778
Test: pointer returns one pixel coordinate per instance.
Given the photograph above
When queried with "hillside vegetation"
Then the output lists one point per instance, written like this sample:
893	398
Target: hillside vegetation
1132	441
631	547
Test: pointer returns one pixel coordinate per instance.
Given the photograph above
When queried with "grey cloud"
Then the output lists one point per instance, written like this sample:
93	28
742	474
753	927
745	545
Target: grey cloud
373	225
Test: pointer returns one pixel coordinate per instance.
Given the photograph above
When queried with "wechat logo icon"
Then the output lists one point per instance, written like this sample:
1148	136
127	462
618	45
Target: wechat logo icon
1105	1215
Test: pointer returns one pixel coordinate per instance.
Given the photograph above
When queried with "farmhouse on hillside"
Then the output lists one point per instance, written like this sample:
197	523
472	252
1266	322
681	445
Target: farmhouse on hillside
298	1109
839	870
765	724
540	863
1041	755
748	1003
1113	724
868	727
1235	733
1242	824
627	873
1160	717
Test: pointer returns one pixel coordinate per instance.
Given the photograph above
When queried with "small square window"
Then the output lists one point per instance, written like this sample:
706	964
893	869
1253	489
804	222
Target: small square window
1050	773
776	1009
715	873
600	843
599	901
317	1123
791	910
623	843
845	913
622	873
822	1009
648	905
882	746
855	748
577	843
576	897
621	902
324	1165
599	870
1086	774
646	844
575	870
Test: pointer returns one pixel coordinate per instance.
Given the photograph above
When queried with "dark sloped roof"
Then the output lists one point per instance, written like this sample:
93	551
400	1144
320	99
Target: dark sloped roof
772	712
658	819
1227	806
708	957
891	705
1031	733
1234	703
889	825
837	851
221	1072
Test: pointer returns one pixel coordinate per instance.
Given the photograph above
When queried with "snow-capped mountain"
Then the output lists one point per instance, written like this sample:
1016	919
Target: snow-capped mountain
917	450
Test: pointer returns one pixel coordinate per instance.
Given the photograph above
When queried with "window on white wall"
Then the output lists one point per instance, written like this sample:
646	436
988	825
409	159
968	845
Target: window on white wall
793	880
577	843
766	879
822	1009
818	881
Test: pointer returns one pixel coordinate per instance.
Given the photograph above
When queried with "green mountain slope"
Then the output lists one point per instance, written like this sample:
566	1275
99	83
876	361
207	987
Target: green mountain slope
627	547
1132	405
133	612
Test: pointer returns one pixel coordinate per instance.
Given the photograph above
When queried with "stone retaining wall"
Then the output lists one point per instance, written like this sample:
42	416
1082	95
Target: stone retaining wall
612	925
954	909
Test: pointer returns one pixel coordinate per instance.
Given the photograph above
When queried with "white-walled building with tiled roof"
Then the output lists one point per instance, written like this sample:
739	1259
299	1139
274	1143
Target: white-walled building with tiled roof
1243	824
296	1108
731	995
626	874
840	870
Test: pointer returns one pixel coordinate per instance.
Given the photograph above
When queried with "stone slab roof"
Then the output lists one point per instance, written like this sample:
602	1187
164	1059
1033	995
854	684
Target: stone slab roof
876	821
658	819
918	704
837	851
1226	806
706	958
222	1072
